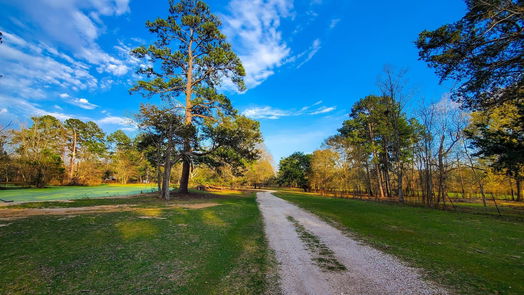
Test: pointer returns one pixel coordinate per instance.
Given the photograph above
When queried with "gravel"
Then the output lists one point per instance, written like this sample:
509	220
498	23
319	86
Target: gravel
369	271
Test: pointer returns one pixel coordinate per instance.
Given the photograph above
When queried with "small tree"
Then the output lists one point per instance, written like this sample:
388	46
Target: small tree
294	171
191	58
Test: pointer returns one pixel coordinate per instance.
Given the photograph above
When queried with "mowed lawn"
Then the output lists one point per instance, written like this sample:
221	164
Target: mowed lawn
470	253
74	192
155	249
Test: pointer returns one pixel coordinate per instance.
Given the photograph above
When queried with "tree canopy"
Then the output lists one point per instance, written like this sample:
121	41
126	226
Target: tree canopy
483	51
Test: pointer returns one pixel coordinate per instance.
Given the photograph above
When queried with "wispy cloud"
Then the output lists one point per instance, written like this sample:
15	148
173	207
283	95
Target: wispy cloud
48	56
334	22
268	112
323	110
127	123
79	102
315	47
265	112
20	110
254	29
82	103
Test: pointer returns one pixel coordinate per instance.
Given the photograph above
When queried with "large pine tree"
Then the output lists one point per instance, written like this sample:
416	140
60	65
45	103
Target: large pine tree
185	65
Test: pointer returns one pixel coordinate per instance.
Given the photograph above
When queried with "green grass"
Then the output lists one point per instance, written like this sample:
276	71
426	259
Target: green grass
216	250
74	192
471	253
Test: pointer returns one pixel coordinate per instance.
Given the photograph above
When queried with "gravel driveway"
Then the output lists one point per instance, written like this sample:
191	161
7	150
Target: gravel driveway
369	271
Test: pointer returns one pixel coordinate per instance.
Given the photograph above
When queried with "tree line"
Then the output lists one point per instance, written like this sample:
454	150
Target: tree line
74	152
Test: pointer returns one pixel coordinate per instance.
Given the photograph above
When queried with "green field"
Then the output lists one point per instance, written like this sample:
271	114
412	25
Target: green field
215	250
472	253
74	192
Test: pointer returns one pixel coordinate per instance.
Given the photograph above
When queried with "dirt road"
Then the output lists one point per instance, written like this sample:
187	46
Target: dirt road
316	258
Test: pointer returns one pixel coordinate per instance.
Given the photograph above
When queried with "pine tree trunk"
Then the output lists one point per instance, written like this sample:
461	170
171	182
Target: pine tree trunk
166	193
186	164
184	178
167	175
72	158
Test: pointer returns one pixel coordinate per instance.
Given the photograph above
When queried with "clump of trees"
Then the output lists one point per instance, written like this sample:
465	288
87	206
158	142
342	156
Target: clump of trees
72	152
432	160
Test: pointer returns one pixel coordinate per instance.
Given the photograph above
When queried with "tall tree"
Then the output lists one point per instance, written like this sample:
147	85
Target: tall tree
483	51
191	58
85	141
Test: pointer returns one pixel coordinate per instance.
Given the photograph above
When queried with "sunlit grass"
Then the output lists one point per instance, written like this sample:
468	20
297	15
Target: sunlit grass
213	250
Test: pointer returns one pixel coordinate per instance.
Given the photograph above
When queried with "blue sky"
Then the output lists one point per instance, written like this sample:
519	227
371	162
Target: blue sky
307	61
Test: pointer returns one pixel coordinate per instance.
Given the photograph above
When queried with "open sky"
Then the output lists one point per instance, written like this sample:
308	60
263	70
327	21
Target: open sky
307	61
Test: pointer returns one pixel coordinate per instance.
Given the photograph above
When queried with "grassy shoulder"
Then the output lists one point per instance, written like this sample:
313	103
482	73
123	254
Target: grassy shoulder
471	253
161	250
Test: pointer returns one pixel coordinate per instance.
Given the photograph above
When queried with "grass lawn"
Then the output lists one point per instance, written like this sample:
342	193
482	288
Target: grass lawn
473	254
152	250
74	192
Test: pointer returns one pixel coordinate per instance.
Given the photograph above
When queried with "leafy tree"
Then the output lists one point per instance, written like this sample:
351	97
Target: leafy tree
163	132
85	141
126	159
325	171
483	51
294	171
120	140
39	149
261	171
191	58
380	137
498	138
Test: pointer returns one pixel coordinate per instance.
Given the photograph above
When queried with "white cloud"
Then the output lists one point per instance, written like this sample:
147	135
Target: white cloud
268	112
82	103
28	69
253	26
120	121
315	47
3	110
334	22
323	110
35	61
21	109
